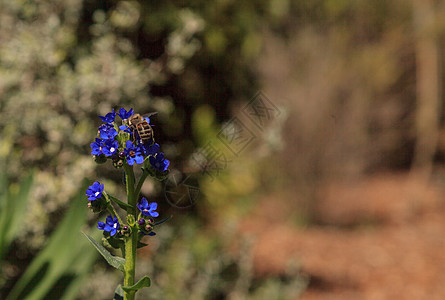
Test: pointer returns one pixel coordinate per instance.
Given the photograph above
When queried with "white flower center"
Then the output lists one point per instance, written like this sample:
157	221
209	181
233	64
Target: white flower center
115	225
97	193
112	149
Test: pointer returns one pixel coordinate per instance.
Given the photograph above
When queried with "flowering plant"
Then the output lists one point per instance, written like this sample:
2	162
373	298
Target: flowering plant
127	144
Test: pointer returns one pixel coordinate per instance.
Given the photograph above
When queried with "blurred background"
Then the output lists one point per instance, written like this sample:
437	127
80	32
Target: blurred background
313	132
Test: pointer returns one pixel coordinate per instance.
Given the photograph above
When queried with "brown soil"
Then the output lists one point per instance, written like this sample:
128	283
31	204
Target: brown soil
380	238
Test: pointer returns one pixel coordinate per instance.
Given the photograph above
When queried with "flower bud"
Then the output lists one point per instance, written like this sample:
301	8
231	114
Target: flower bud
126	231
118	164
141	222
148	228
100	159
122	154
130	220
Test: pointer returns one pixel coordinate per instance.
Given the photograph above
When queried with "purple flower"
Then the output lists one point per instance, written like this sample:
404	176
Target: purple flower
96	147
109	147
125	114
107	131
148	209
133	153
111	225
109	118
95	191
159	162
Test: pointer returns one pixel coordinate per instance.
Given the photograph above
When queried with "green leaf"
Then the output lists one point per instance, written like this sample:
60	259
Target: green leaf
121	204
13	202
113	242
140	245
118	293
114	261
144	282
64	258
162	221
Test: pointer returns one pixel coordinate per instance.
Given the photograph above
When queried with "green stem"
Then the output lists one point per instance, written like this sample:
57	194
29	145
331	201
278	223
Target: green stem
131	241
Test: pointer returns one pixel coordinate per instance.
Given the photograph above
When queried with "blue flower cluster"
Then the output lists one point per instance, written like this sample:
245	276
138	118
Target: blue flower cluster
129	142
148	211
121	143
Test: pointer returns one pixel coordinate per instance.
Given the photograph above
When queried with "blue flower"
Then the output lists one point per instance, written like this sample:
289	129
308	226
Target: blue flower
111	225
96	147
109	147
95	191
148	209
125	128
109	118
159	162
151	149
125	114
107	131
133	153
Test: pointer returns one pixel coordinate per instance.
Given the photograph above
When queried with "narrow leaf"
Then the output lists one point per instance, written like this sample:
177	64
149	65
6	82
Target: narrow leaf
114	261
119	293
122	205
144	282
140	245
162	221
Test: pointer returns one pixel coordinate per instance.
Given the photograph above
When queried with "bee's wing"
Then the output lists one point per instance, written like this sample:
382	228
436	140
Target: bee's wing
148	115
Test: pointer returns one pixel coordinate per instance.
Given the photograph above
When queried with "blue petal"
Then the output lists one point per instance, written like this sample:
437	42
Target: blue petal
109	220
130	161
129	145
139	159
100	225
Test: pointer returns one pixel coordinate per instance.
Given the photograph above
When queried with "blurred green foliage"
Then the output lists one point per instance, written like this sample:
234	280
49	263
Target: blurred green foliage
61	267
13	202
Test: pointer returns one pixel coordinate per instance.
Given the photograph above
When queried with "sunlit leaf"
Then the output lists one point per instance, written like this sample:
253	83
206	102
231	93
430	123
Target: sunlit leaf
114	261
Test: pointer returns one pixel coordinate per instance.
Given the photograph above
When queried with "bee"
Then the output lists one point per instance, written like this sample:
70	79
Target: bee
140	127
